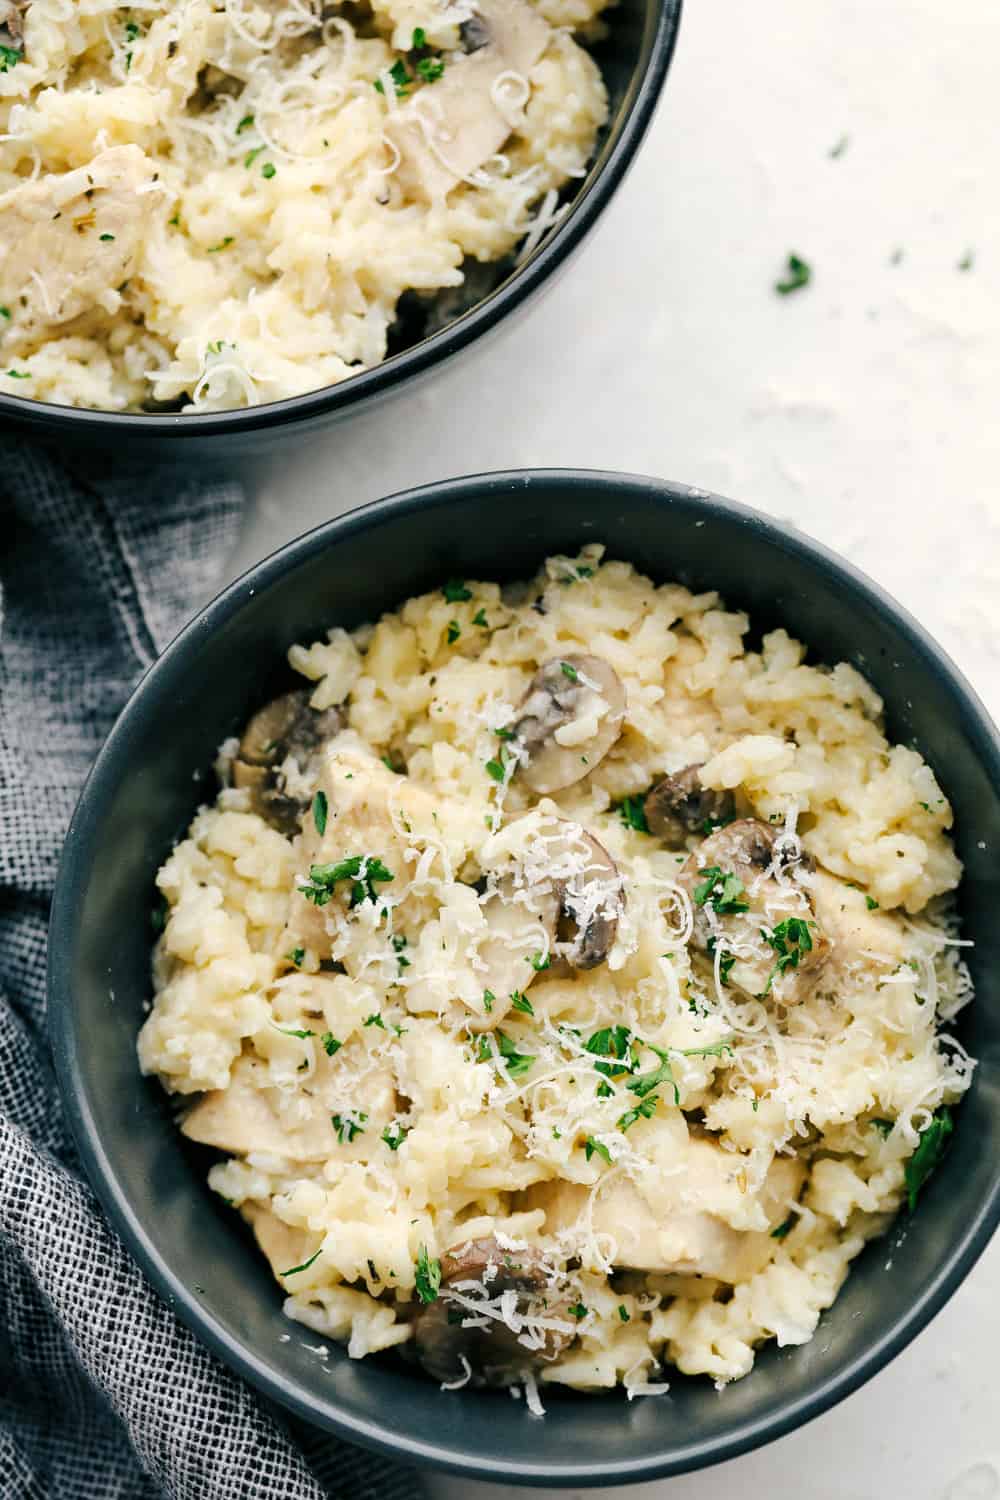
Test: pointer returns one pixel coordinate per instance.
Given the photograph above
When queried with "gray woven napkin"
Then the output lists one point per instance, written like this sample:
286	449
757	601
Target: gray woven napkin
103	1395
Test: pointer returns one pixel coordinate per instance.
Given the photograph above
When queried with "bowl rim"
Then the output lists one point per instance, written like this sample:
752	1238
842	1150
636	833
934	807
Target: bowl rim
104	777
599	186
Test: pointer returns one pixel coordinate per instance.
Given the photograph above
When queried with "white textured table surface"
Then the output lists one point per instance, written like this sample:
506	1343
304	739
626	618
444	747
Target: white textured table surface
862	409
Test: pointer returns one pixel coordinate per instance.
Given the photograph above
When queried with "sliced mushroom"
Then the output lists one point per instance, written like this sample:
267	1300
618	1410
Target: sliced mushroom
496	1355
287	726
12	22
448	131
758	924
69	240
679	805
679	1221
569	719
591	902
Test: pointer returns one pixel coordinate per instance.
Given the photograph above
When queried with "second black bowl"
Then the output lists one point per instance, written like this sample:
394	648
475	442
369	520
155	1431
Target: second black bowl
141	796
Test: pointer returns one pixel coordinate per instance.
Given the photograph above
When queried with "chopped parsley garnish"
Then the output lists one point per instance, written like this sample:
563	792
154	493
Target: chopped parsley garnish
454	631
479	618
724	892
394	1135
504	734
5	312
268	170
623	1312
428	1276
780	1230
419	39
401	79
19	374
578	1311
589	1147
430	68
375	1020
837	150
612	1045
399	943
644	1110
105	236
518	1063
214	249
790	940
348	1126
364	870
488	999
495	769
330	1043
726	959
645	1083
968	261
304	1266
930	1149
884	1127
9	58
522	1003
798	274
252	156
540	961
292	1031
871	903
244	124
455	591
296	956
632	812
568	670
320	809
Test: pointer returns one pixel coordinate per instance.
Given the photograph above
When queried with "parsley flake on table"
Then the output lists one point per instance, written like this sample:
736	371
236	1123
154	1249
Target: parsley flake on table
798	274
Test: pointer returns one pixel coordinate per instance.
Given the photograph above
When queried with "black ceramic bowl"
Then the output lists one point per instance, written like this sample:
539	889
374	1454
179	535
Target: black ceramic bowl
140	797
633	60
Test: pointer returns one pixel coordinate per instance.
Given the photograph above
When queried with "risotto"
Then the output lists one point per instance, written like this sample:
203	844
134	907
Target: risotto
562	981
211	203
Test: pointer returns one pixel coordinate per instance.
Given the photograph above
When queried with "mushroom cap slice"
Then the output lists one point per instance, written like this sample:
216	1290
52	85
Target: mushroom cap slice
678	805
286	726
591	902
11	22
568	720
496	1354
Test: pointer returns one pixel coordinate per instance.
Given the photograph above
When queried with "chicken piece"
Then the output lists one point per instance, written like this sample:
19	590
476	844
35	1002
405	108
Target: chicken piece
852	928
374	813
282	1245
452	127
750	909
69	241
251	1116
679	1221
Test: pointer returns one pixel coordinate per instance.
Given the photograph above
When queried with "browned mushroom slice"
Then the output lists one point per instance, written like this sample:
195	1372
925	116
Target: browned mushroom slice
748	909
12	23
569	719
287	726
496	1354
679	805
591	902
